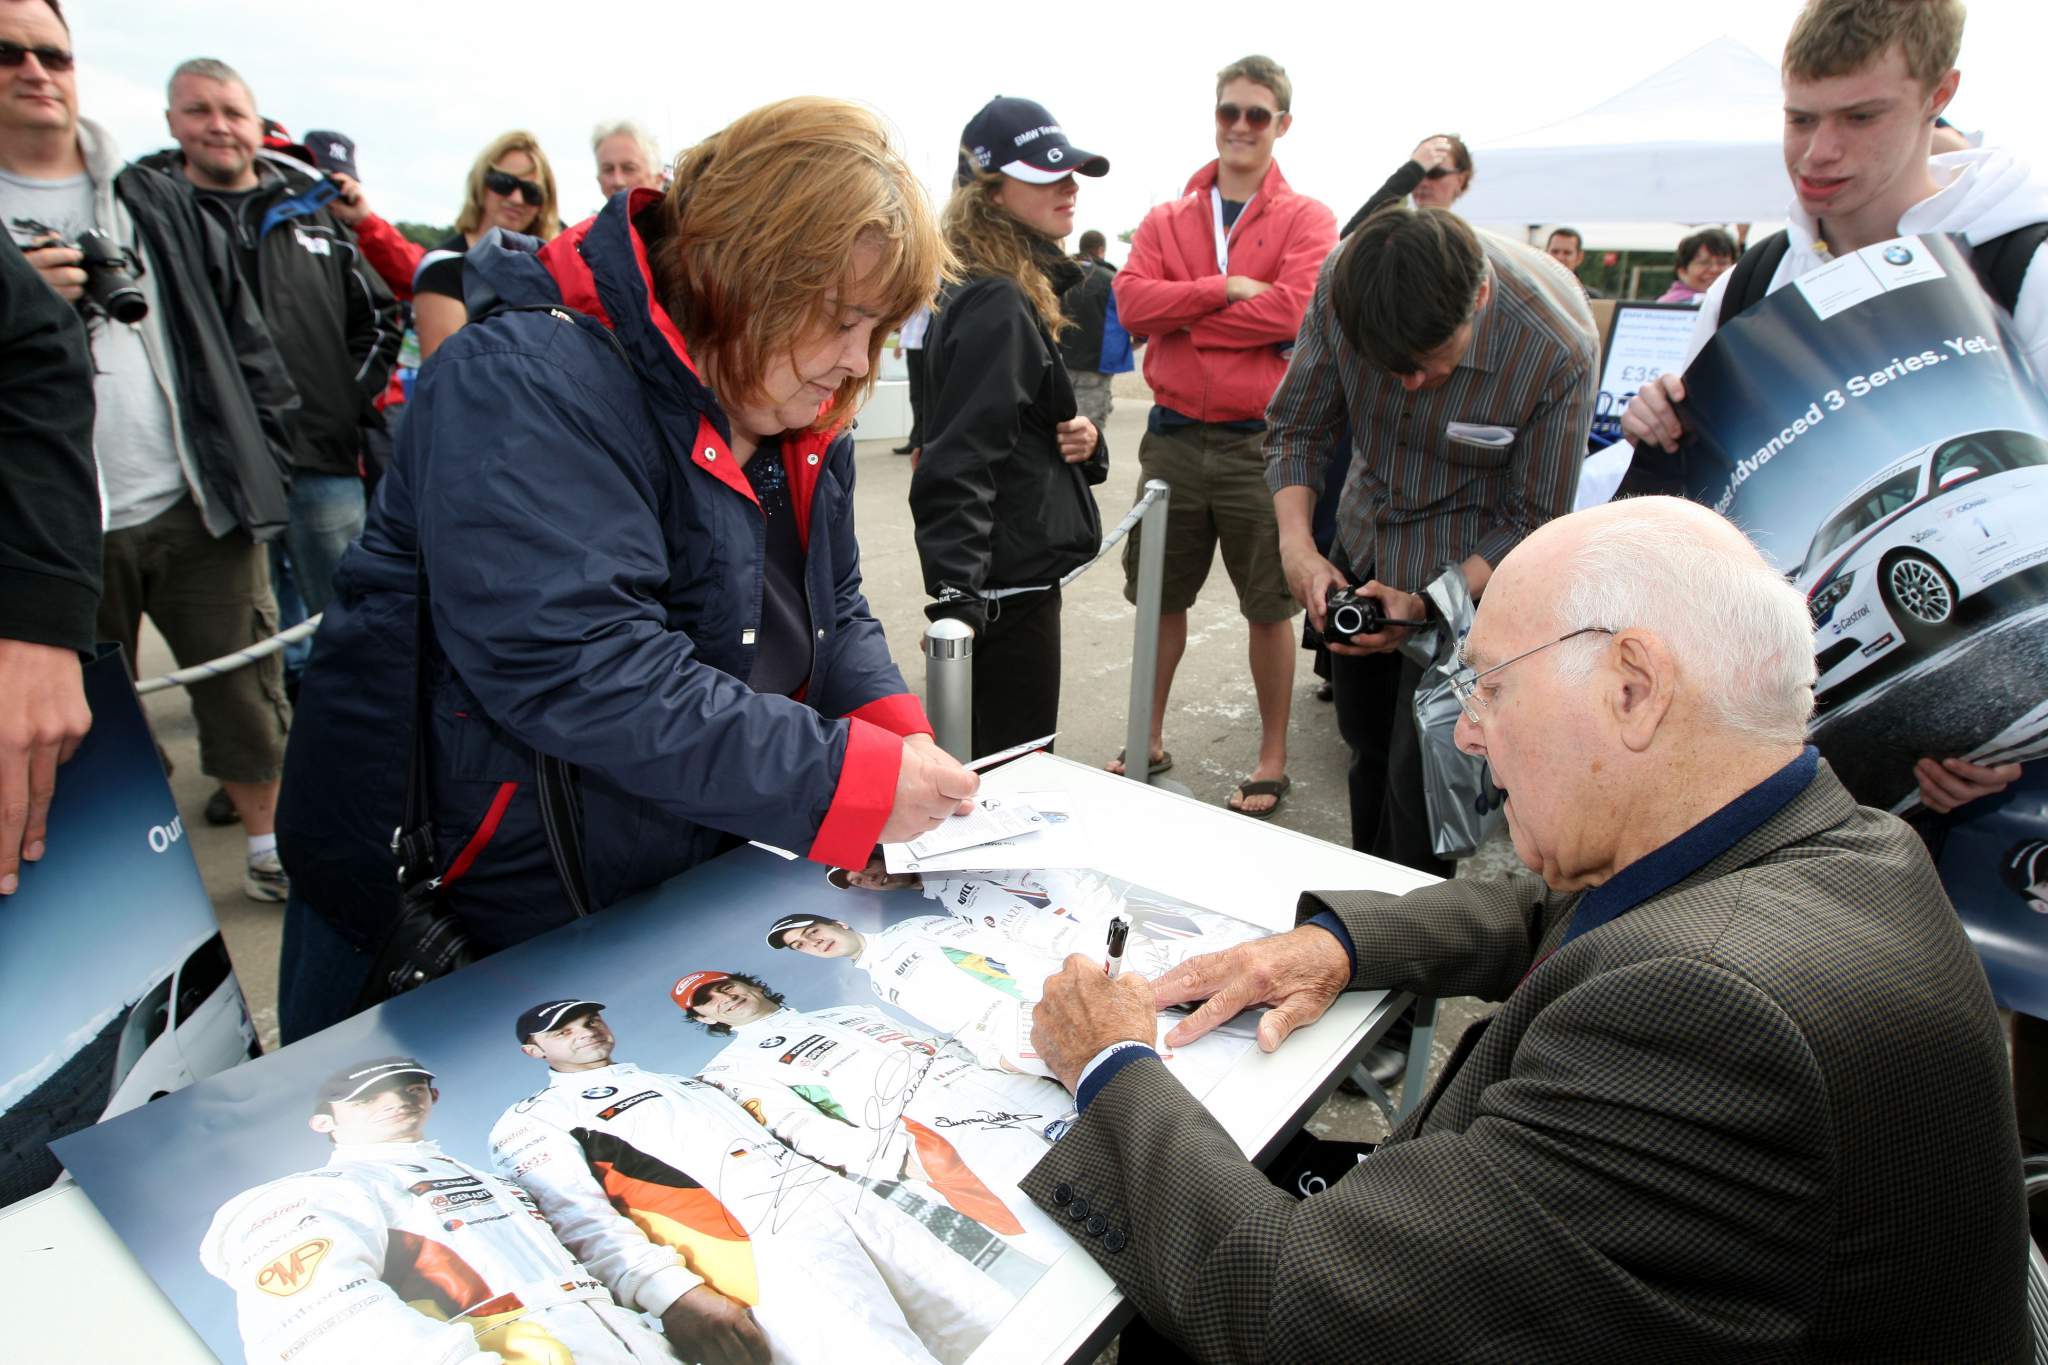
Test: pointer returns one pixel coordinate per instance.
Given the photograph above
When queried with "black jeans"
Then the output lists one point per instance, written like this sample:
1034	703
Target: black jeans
1017	671
1375	714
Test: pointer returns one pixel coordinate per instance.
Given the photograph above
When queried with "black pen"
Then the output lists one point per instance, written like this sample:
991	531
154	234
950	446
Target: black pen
1118	931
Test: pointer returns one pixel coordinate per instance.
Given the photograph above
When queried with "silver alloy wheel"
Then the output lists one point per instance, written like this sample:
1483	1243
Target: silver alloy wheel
1921	590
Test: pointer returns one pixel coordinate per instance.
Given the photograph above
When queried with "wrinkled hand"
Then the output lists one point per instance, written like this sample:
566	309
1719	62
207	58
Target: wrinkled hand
930	785
1309	576
43	716
1297	973
1395	605
704	1325
1077	438
1432	152
351	206
1083	1012
1238	288
1650	419
58	265
1946	783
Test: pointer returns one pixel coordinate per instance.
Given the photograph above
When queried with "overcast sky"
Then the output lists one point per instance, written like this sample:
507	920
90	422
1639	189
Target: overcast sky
422	85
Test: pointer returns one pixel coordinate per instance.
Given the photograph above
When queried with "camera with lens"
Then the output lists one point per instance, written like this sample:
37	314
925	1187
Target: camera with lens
1349	614
111	271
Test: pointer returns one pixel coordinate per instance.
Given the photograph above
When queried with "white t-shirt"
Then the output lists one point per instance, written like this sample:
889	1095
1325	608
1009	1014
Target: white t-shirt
140	476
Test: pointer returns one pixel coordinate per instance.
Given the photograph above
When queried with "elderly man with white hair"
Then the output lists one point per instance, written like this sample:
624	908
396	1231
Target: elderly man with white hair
1691	1129
628	157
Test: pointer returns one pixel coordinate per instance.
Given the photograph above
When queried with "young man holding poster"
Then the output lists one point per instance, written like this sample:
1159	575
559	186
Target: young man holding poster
1865	81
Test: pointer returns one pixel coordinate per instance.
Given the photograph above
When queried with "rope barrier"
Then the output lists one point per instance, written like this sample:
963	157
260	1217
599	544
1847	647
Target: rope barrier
228	663
1122	529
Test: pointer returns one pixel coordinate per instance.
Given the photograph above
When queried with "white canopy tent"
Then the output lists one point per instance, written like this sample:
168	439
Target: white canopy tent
1697	142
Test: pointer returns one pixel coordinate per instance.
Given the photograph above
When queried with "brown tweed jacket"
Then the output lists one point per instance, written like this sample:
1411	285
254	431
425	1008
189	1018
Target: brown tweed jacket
1693	1134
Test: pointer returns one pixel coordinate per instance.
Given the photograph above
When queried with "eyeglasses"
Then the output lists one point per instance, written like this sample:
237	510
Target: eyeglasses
1441	172
1257	115
1465	683
49	58
504	182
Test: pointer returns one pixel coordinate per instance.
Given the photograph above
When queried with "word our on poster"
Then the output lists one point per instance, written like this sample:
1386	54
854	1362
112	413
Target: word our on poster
112	966
810	1095
1875	427
1647	340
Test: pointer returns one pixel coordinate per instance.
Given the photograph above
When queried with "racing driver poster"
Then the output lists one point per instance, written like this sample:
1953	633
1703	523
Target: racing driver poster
758	1089
110	959
1876	428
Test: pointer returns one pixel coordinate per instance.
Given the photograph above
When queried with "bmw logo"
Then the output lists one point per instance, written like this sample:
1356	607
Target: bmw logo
600	1092
777	1041
1898	255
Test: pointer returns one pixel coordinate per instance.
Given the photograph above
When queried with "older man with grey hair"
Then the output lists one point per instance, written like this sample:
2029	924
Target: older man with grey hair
628	157
1682	1133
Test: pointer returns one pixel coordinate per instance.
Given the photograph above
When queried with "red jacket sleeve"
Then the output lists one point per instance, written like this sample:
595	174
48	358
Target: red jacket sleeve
390	253
1152	296
1275	316
862	802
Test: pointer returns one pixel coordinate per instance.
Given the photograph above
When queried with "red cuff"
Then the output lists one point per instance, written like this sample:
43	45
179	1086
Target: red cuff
901	714
865	795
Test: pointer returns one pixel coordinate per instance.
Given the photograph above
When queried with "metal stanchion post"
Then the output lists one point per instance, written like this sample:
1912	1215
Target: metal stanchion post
1145	643
949	685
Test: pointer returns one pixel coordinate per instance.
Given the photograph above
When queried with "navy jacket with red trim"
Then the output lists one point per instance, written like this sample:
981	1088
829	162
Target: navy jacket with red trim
594	557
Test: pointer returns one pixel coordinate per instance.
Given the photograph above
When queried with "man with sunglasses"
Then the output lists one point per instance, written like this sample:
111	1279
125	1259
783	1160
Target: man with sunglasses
1677	1137
190	436
1218	279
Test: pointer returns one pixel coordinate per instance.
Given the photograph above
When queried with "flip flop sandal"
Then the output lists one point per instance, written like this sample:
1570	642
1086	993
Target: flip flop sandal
1159	765
1273	787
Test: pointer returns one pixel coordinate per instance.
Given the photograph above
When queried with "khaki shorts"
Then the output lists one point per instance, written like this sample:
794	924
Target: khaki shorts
1218	478
207	597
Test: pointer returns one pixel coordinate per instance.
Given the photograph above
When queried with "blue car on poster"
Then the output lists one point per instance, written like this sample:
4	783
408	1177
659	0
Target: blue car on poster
1897	556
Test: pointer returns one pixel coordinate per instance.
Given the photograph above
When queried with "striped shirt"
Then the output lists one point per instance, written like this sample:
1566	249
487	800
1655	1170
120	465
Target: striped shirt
1468	468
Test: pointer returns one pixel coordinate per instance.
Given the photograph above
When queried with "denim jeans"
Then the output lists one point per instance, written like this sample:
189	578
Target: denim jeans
320	973
326	514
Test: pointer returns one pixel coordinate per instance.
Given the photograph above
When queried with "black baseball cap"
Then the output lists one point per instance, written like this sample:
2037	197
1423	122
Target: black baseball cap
333	151
355	1081
549	1014
1020	139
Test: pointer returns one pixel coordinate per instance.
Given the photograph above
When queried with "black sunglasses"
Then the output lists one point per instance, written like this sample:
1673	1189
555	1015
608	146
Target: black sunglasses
50	58
1258	116
504	182
1441	172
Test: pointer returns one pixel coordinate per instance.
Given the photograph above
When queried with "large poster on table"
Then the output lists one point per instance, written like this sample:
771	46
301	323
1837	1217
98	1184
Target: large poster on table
759	1087
118	988
1876	428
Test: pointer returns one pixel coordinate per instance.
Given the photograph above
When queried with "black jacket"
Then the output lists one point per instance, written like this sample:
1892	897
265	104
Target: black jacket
1086	304
332	318
49	492
1399	185
995	505
234	394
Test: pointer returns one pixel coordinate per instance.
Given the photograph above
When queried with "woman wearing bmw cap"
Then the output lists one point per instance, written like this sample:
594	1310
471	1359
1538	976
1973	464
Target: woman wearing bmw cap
1001	493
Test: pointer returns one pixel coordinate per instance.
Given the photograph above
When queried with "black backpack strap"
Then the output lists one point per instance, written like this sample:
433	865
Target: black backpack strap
1751	277
2001	263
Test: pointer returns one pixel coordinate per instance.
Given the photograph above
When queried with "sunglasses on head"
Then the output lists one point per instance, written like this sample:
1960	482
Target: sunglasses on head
50	58
1257	115
504	182
1441	172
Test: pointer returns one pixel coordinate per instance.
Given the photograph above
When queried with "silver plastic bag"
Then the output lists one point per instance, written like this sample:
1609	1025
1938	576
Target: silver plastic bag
1463	805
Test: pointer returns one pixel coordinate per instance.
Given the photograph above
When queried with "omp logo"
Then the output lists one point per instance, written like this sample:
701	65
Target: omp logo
293	1271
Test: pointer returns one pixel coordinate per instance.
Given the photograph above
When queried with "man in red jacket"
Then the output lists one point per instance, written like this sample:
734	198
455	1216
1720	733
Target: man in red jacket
1219	280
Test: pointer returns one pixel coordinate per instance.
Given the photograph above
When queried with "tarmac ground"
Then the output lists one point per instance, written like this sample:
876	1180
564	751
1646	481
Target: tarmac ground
1212	726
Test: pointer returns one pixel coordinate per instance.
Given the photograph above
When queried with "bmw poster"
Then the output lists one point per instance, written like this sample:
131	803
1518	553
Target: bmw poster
1875	426
759	1090
109	951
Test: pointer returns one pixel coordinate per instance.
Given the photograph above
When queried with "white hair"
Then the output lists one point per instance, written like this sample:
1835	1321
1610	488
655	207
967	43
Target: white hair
649	148
1741	633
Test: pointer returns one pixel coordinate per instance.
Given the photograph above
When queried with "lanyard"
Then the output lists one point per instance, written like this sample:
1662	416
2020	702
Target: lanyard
1222	232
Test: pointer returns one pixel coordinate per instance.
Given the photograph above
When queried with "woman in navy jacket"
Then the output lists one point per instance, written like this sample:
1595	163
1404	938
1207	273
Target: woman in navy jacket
627	488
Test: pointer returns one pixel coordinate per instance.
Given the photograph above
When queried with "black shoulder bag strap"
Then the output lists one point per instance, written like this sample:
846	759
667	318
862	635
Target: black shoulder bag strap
2001	263
1750	279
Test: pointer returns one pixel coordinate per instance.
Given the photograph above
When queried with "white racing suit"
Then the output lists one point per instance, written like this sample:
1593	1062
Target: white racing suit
1061	911
660	1184
853	1088
394	1252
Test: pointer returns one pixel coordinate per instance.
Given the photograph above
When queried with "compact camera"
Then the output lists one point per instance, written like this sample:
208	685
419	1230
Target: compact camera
1349	614
111	271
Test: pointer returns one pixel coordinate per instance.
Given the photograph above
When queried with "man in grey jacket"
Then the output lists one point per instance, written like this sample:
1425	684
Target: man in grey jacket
190	435
1680	1136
